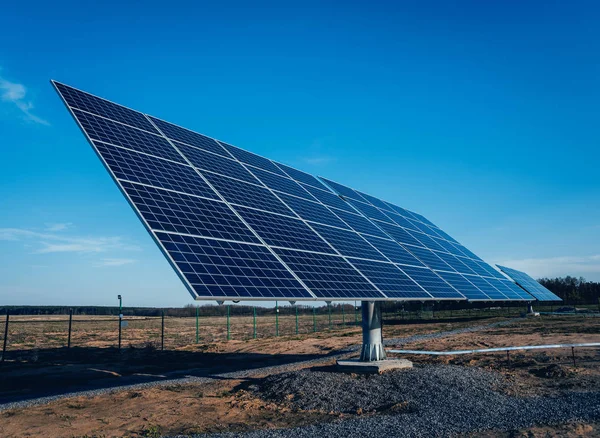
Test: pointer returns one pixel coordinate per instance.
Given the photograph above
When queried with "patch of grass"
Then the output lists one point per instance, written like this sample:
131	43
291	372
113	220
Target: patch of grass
151	431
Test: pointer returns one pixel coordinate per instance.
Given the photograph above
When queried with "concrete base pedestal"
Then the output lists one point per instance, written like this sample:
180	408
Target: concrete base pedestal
373	367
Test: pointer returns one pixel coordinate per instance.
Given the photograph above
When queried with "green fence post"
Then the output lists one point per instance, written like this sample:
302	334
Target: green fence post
254	322
314	319
228	324
197	326
276	318
296	319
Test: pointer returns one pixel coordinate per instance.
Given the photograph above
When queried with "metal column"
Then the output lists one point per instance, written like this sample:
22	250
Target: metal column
372	349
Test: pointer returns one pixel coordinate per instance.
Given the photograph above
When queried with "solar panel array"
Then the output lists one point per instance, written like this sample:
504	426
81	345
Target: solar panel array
235	225
530	285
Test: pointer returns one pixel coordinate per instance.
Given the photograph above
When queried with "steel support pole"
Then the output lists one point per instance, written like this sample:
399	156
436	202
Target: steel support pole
372	348
529	308
355	314
276	318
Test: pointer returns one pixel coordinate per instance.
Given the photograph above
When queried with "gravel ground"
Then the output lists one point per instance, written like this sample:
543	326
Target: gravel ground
432	401
342	354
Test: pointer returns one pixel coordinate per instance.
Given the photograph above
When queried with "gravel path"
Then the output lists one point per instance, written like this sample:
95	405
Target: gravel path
342	354
432	401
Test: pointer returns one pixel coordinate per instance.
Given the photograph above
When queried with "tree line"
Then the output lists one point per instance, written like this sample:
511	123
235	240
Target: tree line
573	290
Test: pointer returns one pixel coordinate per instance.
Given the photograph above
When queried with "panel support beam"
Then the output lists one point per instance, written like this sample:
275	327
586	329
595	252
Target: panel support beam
372	348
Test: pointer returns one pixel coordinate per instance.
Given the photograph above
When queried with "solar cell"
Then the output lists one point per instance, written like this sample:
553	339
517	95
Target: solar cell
359	223
90	103
398	234
215	163
253	159
329	199
177	212
486	287
427	241
300	176
346	192
281	184
370	211
328	276
283	231
465	287
394	251
145	169
530	285
401	221
312	211
455	263
248	195
374	201
348	243
221	269
510	290
187	136
433	284
121	135
430	259
390	280
474	266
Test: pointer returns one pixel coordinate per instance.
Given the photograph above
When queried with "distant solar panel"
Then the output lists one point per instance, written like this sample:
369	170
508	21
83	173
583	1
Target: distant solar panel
530	285
237	225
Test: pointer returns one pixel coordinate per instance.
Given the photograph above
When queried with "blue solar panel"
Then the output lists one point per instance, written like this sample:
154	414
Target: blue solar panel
253	159
390	280
427	241
186	136
346	192
329	199
328	276
431	259
530	285
455	262
302	177
510	290
475	267
121	135
131	166
248	195
374	201
401	221
348	243
360	223
423	219
176	212
394	251
312	211
281	184
283	231
216	163
433	284
220	269
370	211
490	270
486	287
461	284
448	247
90	103
398	234
419	226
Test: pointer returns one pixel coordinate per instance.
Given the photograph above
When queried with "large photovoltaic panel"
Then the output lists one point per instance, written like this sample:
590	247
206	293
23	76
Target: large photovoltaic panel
237	225
530	284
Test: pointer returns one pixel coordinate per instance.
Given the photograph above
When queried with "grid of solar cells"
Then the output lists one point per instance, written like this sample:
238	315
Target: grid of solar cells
192	138
281	184
423	219
448	246
221	269
359	223
346	192
370	211
530	284
215	163
490	270
474	266
348	243
104	108
329	199
465	287
393	251
312	211
509	289
431	259
283	231
427	241
390	280
253	159
328	276
401	221
176	212
433	284
374	201
300	176
486	287
249	195
419	226
399	234
146	169
401	211
455	263
120	135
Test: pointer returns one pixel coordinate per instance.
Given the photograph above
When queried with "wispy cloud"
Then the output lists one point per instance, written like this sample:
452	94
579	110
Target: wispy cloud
114	262
16	94
556	266
58	227
49	242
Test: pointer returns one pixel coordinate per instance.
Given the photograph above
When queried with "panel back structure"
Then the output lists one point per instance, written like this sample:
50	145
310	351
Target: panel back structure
530	284
236	225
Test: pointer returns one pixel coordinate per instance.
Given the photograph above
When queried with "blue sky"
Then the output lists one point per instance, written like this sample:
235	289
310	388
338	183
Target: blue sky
483	116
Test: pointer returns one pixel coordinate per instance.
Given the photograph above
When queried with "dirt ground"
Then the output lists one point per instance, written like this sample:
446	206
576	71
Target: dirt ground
224	406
